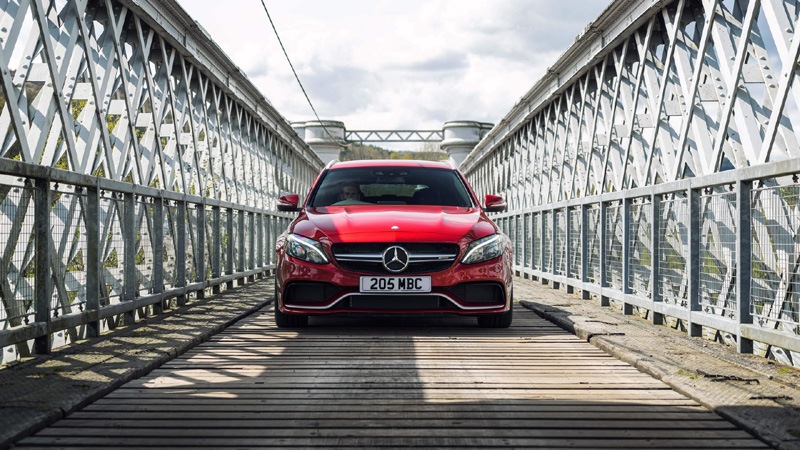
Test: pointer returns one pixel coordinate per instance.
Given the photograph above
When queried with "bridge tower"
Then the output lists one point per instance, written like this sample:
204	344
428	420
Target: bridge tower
325	137
461	136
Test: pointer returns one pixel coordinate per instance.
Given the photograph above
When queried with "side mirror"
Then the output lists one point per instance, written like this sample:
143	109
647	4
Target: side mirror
494	203
288	202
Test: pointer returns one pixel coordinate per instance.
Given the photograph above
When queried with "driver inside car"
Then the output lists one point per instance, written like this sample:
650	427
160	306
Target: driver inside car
350	191
350	194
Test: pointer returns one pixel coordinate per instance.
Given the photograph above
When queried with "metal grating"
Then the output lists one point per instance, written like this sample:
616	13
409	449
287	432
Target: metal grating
593	241
170	246
193	251
640	255
576	253
519	240
718	252
209	230
235	237
68	232
112	251
775	281
614	242
144	257
547	242
269	243
561	242
536	240
673	248
224	239
527	223
248	230
17	239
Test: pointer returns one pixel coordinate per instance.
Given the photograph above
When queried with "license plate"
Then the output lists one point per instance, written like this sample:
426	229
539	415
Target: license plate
395	284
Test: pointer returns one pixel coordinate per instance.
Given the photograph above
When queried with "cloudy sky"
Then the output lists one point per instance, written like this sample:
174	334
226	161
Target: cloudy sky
391	64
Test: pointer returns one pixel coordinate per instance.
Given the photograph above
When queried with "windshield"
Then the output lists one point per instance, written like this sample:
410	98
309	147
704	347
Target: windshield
391	186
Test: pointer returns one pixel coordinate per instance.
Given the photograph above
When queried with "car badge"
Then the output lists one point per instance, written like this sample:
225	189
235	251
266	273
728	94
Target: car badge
395	228
395	259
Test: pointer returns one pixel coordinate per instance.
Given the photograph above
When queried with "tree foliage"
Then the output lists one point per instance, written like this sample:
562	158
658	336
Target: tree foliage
428	152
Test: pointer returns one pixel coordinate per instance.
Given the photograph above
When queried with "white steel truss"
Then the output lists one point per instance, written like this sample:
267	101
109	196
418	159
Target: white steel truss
136	160
686	107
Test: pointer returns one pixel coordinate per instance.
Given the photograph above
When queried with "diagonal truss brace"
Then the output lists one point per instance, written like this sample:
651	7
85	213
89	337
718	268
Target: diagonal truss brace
394	135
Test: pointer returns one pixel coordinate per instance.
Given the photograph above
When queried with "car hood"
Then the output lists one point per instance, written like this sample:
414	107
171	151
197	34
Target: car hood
391	224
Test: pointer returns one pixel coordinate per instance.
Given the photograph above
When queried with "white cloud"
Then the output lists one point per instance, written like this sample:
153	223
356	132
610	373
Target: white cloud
387	64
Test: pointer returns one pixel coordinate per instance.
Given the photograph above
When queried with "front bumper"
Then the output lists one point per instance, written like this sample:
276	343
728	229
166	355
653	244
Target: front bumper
313	289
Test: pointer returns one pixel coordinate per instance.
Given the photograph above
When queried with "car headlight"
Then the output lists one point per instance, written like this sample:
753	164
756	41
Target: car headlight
484	249
306	249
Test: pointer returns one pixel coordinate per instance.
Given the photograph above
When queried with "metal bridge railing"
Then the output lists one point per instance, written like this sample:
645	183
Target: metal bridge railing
139	167
89	254
720	253
669	132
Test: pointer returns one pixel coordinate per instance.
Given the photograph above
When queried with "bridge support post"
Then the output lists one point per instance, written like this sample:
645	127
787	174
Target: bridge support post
695	330
656	317
158	253
180	251
542	244
553	250
229	246
585	294
627	308
251	236
527	223
241	265
260	244
568	269
200	248
129	255
216	251
744	251
269	245
93	283
604	300
43	285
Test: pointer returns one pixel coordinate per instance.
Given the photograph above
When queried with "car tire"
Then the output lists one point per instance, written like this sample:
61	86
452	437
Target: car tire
283	320
502	320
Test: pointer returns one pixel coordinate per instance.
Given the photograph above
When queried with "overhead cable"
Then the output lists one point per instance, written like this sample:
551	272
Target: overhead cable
294	71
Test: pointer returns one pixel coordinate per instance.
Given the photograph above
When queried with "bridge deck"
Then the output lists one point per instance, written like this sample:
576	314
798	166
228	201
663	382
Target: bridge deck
433	383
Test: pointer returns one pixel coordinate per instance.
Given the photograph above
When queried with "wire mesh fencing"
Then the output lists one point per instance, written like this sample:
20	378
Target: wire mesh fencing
718	252
673	250
775	285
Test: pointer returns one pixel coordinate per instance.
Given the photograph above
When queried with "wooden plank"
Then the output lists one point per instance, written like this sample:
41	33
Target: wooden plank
366	419
361	385
533	411
278	402
487	441
441	429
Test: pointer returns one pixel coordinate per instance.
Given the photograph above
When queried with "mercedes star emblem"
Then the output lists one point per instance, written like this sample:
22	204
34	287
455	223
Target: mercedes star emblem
395	259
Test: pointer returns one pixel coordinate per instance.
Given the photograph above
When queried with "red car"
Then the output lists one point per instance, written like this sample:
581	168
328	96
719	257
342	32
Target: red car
385	237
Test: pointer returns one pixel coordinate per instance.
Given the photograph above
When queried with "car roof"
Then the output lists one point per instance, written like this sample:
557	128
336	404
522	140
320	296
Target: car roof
391	163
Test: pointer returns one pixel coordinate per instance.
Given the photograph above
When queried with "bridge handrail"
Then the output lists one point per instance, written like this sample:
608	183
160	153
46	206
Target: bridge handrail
561	250
231	260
